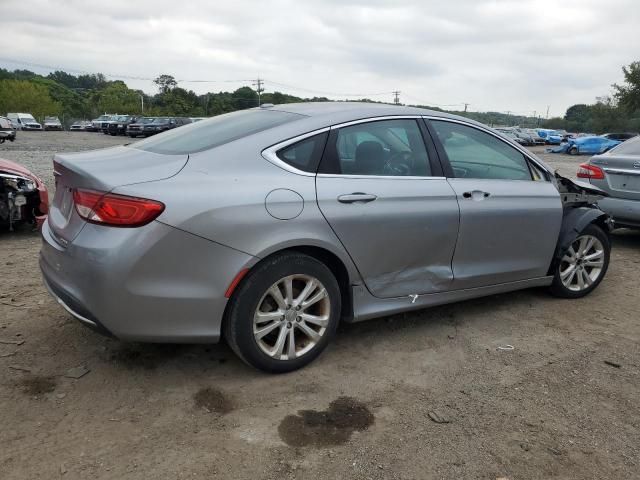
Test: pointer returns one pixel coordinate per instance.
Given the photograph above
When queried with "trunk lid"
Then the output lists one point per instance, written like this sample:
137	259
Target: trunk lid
622	174
101	170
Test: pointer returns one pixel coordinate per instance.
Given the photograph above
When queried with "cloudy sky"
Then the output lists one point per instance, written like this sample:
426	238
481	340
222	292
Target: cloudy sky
500	55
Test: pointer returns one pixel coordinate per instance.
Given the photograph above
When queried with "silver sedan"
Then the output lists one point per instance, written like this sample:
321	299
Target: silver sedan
618	173
269	226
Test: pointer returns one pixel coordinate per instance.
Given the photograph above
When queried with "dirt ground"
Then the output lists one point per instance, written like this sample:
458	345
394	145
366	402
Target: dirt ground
426	395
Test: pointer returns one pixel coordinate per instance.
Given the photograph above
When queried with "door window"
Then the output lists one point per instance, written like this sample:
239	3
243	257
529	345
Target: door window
305	154
378	148
476	154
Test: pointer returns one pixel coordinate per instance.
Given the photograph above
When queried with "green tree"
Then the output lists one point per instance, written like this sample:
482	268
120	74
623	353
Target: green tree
116	98
628	94
165	83
27	96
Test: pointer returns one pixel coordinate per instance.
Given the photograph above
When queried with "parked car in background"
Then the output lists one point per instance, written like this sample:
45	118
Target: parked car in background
197	119
82	125
271	225
537	139
136	129
96	123
7	130
512	135
617	172
162	124
52	123
24	121
23	196
589	145
118	125
619	136
551	137
104	125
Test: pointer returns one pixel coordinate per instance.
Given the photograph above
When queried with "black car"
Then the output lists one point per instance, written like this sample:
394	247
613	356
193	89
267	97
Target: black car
136	128
162	124
119	124
619	136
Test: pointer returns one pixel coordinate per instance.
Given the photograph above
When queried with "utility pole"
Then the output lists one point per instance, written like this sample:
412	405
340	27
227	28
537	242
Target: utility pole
396	97
547	117
509	117
258	82
534	113
465	107
141	103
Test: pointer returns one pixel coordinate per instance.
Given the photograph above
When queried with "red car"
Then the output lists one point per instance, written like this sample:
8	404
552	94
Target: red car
23	196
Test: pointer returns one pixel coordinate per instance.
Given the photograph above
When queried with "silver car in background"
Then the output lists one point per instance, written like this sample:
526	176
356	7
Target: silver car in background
617	172
269	226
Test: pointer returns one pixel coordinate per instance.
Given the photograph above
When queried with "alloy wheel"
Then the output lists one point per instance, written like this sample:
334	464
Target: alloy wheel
292	316
583	263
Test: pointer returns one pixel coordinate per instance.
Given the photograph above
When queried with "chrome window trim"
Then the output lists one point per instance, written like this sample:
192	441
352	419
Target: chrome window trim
271	153
522	150
382	177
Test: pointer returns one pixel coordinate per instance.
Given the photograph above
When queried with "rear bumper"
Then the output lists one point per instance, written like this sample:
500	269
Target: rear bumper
151	284
625	212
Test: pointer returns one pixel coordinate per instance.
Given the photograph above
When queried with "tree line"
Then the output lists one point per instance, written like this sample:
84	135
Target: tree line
86	96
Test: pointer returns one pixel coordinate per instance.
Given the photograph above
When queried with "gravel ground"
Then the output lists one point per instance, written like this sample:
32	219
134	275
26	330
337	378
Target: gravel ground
417	396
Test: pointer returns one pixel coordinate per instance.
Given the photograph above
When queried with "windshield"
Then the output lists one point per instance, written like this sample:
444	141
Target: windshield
27	118
160	120
215	131
51	119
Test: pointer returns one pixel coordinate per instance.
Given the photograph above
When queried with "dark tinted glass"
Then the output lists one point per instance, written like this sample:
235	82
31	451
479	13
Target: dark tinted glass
305	154
379	148
215	131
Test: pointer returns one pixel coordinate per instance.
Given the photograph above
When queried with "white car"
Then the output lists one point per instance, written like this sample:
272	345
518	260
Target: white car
24	121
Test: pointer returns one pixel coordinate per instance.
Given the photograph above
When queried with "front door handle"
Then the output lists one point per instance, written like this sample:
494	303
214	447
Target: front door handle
476	195
357	197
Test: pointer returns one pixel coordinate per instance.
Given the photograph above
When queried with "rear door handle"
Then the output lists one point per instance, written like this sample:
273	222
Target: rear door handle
476	194
357	197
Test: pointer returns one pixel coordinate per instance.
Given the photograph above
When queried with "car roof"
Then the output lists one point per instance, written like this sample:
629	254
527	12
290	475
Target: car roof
356	110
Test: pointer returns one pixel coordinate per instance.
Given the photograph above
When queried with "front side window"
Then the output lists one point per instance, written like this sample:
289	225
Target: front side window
378	148
476	154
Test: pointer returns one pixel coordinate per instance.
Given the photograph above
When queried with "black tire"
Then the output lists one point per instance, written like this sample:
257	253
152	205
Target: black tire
573	151
238	322
558	288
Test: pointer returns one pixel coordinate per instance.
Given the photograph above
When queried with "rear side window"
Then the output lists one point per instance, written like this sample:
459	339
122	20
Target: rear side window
305	155
214	132
630	147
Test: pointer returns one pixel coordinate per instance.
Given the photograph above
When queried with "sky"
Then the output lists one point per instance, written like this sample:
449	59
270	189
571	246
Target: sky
518	56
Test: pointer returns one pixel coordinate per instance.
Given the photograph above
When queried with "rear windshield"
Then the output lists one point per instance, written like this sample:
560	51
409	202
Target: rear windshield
630	147
214	132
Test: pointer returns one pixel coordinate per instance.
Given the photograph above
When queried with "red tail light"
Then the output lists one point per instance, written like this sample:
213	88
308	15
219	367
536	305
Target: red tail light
590	171
115	210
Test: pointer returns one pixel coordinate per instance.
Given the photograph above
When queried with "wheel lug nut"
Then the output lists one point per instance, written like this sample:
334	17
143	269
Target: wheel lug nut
288	324
298	307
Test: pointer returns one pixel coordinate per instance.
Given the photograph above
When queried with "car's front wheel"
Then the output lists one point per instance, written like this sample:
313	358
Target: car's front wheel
583	265
284	313
573	151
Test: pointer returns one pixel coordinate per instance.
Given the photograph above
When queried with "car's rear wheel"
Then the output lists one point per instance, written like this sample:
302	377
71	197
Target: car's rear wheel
284	313
573	151
583	265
